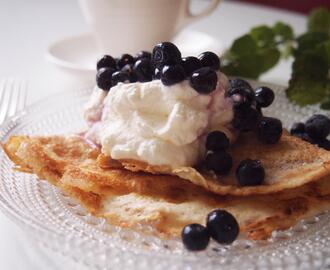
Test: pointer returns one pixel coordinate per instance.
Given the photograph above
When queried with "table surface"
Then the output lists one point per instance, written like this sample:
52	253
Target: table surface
29	27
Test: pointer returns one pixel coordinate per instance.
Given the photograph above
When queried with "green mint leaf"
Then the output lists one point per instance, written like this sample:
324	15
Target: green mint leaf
324	50
319	20
244	45
263	35
248	58
268	59
283	31
310	65
245	66
310	41
304	92
240	60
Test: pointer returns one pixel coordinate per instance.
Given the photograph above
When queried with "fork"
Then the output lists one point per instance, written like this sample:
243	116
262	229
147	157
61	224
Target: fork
13	93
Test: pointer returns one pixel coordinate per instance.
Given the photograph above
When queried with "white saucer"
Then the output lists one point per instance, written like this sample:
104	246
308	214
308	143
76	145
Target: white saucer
78	54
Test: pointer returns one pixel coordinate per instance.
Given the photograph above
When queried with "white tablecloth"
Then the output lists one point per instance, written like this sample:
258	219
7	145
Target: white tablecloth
28	27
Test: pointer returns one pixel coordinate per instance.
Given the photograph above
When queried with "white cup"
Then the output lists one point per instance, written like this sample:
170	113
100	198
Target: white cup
129	26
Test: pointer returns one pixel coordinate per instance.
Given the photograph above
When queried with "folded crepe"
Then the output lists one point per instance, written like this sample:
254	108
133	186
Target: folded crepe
289	163
168	202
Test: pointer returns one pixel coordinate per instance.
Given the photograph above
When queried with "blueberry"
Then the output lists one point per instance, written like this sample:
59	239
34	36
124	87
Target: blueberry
130	72
143	55
219	162
210	59
124	60
222	226
204	80
269	130
318	127
103	78
127	68
304	136
241	96
106	62
119	76
157	73
195	237
165	53
216	141
297	128
143	70
264	96
250	173
239	83
325	144
172	74
245	118
190	64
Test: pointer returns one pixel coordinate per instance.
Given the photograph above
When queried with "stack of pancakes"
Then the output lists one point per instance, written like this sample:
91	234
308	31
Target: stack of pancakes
128	193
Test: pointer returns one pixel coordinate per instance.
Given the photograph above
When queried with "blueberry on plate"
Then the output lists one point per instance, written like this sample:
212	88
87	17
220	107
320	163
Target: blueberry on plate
104	78
106	61
143	70
245	118
143	55
222	226
190	64
241	96
157	73
165	53
124	60
264	96
204	80
269	130
239	83
172	74
195	237
217	141
219	162
318	127
210	59
119	76
250	173
297	128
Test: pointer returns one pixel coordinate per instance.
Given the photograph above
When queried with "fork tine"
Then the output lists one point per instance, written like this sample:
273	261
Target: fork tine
5	105
2	89
23	98
14	99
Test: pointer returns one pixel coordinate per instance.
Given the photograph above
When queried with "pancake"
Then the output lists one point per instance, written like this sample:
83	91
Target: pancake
168	205
166	202
288	164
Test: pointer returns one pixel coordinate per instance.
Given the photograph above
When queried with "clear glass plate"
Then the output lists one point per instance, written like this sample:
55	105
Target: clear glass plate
59	223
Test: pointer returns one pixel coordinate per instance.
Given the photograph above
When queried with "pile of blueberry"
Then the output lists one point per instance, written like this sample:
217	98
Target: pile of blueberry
315	130
220	225
125	69
248	104
164	63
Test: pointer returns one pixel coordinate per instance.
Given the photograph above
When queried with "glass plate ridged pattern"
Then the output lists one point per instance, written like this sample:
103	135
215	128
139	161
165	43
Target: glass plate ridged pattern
59	223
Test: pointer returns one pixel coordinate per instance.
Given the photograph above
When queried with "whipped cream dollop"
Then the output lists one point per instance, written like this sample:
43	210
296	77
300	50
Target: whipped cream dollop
158	124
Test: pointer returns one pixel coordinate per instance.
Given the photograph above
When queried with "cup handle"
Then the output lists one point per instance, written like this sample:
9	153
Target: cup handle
187	17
